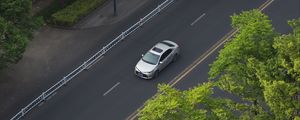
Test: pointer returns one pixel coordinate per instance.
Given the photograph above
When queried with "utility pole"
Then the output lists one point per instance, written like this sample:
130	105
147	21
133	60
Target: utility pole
115	8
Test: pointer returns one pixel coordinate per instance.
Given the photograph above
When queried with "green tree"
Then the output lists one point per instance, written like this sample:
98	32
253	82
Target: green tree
279	75
288	57
18	12
194	104
12	43
288	47
232	69
16	27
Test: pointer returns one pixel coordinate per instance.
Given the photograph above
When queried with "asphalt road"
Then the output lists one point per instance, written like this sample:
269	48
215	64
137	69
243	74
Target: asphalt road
90	97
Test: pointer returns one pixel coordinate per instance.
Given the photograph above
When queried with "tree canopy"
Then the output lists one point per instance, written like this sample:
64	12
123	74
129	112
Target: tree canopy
194	104
280	75
253	40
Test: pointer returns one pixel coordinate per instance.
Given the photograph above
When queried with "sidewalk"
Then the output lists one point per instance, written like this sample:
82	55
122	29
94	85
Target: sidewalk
54	52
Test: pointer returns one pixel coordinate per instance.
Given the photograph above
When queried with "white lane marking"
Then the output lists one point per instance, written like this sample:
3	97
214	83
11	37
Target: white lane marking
267	5
198	19
111	88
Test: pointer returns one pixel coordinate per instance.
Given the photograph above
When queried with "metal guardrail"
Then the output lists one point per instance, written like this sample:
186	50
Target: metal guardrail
90	61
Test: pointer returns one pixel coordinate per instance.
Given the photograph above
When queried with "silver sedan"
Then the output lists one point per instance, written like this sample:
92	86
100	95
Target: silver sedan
156	59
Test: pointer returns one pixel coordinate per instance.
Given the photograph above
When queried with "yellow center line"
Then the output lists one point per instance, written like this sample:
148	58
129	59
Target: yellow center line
200	59
195	62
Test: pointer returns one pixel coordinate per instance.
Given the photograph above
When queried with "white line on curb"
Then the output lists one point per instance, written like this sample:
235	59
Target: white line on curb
111	88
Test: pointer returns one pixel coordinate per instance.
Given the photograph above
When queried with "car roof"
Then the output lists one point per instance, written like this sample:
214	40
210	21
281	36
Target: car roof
161	47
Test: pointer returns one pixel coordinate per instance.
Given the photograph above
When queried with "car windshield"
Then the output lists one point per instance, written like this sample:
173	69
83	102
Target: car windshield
151	58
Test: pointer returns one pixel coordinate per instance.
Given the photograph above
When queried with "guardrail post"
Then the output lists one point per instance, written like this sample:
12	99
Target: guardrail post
104	50
123	35
23	112
84	65
158	8
43	96
141	22
65	80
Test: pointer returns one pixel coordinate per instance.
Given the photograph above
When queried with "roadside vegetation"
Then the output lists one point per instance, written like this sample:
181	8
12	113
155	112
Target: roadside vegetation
55	6
16	27
72	13
259	65
68	12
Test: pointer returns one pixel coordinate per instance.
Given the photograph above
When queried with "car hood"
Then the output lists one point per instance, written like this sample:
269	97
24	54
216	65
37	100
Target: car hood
144	67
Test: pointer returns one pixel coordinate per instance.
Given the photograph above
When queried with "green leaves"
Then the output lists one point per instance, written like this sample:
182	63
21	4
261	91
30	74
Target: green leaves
18	12
163	106
193	104
279	96
16	27
72	13
13	42
254	40
260	66
288	48
15	10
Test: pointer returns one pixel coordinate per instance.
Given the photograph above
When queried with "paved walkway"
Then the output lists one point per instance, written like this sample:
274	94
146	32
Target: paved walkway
55	52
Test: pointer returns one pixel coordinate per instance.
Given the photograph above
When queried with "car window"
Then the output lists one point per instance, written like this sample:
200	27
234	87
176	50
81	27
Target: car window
150	58
165	54
157	50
